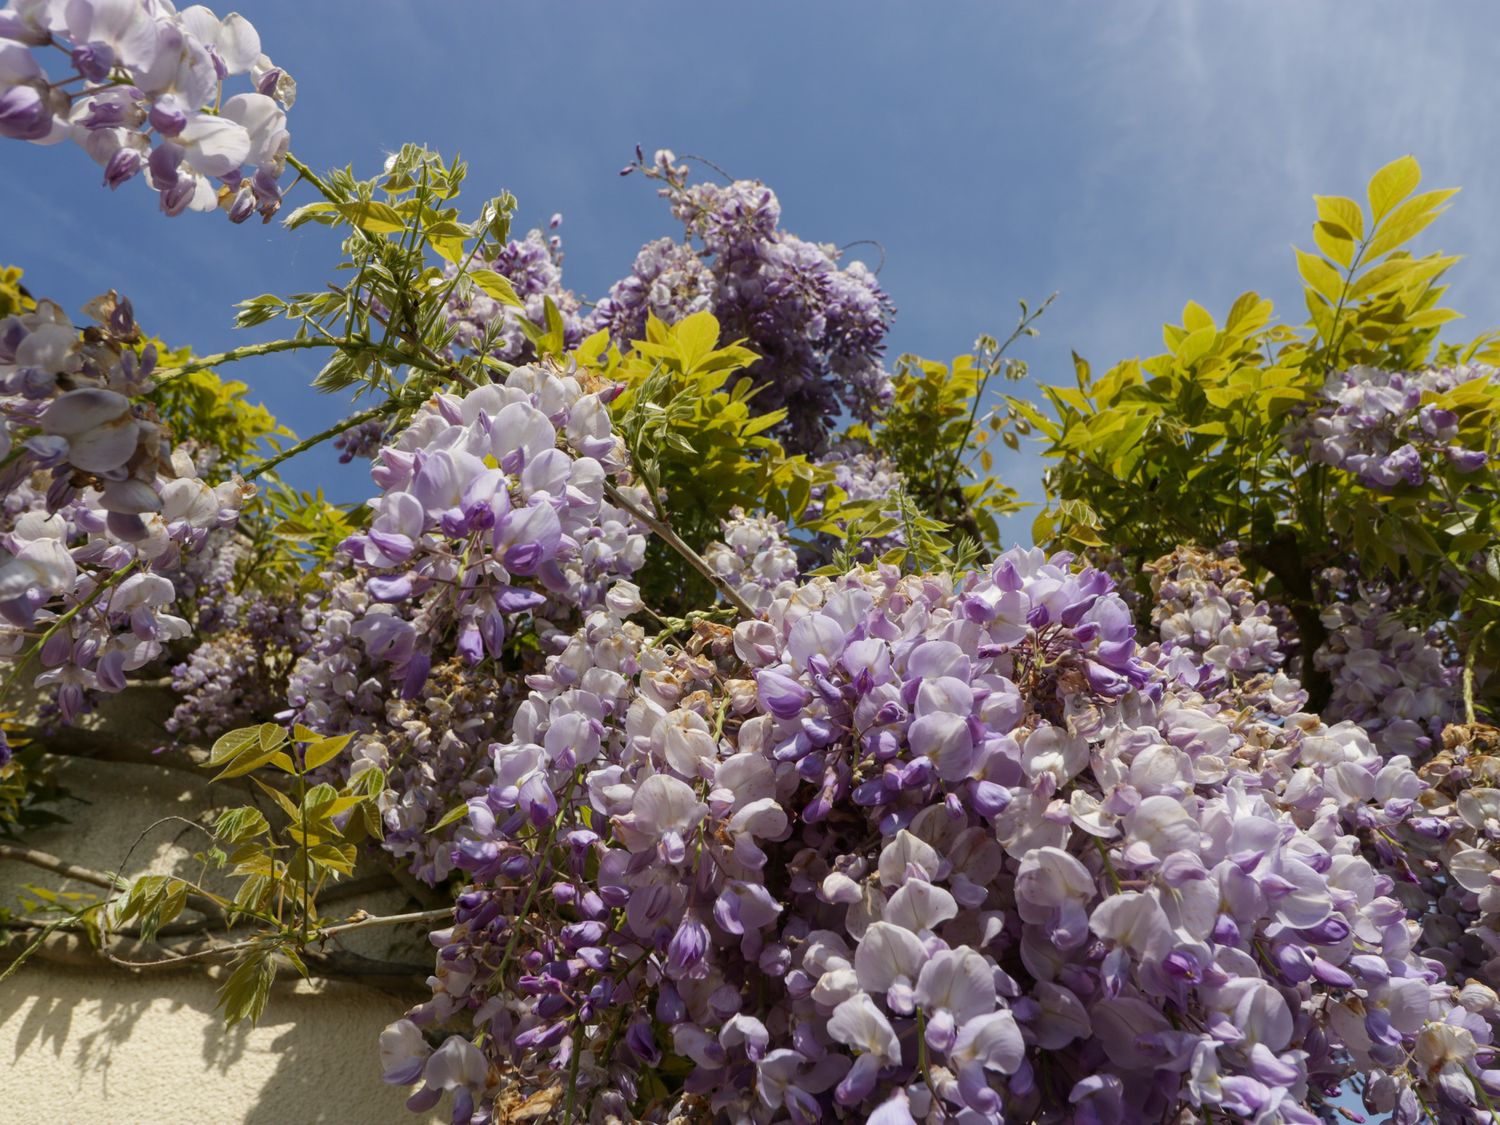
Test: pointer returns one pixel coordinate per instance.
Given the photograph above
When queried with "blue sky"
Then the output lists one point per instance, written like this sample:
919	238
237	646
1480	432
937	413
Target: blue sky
1129	155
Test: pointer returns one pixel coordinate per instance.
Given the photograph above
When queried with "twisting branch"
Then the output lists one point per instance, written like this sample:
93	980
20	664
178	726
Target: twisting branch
664	532
200	950
61	867
74	949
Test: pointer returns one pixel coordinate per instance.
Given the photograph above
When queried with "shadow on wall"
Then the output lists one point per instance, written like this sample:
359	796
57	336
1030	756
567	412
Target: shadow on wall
106	1045
134	1050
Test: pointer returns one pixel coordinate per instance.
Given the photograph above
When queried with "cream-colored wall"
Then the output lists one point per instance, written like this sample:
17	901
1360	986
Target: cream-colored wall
107	1047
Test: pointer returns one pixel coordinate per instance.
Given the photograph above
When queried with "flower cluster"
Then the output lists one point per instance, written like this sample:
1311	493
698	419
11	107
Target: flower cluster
1374	424
66	396
433	754
236	676
754	558
861	474
533	266
883	851
668	281
493	508
109	510
361	442
237	673
818	325
144	92
484	515
1216	633
1398	682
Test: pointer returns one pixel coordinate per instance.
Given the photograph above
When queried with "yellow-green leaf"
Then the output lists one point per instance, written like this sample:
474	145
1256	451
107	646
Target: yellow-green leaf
375	218
1318	274
232	744
1332	242
458	812
1408	220
1196	317
497	286
1341	212
696	336
325	750
1392	184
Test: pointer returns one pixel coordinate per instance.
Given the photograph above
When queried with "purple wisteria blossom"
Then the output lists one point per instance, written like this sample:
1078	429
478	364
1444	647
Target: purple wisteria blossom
818	324
102	513
144	94
886	850
1383	427
492	515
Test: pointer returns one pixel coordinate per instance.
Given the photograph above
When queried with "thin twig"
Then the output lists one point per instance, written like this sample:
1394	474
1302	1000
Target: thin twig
333	431
373	921
204	362
74	949
665	533
1021	329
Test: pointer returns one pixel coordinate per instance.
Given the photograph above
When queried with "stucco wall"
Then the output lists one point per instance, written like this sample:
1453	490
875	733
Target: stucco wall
101	1045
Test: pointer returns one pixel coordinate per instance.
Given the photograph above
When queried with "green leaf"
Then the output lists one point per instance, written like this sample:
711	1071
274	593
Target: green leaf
1332	243
245	992
1392	184
457	813
309	212
1318	274
288	806
1407	221
497	286
246	763
235	826
1342	214
372	217
233	744
696	336
324	750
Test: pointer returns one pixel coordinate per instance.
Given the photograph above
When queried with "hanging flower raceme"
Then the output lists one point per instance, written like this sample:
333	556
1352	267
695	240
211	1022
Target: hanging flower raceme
493	505
493	514
861	474
533	266
1217	636
144	93
818	324
754	558
1398	682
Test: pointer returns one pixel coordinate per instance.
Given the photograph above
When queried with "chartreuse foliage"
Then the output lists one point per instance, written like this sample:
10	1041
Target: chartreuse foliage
387	314
280	866
687	415
13	295
1192	445
214	413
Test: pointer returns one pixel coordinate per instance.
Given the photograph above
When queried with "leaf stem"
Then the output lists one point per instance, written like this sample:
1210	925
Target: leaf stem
1021	326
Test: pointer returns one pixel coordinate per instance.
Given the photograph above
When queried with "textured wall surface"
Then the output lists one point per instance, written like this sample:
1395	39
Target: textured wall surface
102	1045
